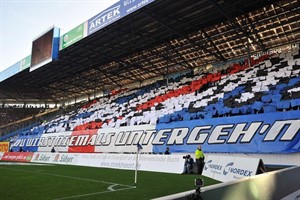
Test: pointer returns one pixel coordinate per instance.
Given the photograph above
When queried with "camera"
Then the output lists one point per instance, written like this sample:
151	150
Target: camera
197	194
187	156
199	182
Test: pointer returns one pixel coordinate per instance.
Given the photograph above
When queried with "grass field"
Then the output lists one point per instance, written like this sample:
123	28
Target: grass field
76	182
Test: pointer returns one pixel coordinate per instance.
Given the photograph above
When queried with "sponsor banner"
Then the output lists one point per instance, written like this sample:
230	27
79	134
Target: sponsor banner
17	156
226	168
10	71
4	146
73	36
56	158
158	163
277	50
1	154
114	13
260	133
147	162
25	63
162	163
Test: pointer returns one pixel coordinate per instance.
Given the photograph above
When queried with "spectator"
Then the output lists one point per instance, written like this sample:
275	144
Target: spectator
199	159
167	152
52	150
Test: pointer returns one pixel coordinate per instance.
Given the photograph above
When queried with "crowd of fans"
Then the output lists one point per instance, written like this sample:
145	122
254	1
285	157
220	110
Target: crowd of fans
268	84
14	117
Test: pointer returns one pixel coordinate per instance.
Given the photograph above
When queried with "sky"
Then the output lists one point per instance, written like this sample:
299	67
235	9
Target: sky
21	21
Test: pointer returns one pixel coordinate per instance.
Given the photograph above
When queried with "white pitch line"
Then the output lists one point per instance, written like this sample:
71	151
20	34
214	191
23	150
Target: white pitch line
71	177
94	193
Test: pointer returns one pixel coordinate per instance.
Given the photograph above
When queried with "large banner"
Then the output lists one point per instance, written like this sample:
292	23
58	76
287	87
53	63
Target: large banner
109	140
4	146
260	133
228	168
114	13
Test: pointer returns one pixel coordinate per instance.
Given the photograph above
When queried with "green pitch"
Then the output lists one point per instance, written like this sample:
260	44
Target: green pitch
77	182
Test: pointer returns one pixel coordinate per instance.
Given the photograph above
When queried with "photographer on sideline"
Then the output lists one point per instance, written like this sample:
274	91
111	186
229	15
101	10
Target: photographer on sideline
199	159
188	165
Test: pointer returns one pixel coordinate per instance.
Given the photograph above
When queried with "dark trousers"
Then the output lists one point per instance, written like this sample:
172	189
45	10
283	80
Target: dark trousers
200	165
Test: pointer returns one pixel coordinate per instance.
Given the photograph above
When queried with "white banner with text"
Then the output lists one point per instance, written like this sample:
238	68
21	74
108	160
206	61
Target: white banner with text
226	168
147	162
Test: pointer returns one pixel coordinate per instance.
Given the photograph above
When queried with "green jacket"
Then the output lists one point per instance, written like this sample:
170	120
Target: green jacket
199	154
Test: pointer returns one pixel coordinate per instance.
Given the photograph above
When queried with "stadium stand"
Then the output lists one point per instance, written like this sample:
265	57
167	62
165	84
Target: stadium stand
268	84
171	74
13	118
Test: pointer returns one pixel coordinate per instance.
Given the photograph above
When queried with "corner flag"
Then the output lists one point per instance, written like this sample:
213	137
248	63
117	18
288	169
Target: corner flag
139	148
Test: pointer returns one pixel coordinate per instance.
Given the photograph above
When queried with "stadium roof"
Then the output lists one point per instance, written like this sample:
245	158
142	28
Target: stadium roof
163	37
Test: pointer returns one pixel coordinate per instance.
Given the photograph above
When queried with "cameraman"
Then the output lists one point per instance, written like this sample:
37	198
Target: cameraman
188	165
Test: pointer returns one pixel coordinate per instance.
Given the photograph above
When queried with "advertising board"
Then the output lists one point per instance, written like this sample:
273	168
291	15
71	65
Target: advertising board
25	63
114	13
227	168
17	156
73	36
4	146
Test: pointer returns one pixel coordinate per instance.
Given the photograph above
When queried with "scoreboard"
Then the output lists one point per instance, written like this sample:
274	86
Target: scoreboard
45	48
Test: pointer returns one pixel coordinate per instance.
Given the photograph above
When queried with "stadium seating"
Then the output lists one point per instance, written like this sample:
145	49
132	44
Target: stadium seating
268	84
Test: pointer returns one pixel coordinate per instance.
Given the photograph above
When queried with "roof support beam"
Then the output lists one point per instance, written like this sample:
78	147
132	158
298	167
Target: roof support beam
236	25
109	57
135	45
220	57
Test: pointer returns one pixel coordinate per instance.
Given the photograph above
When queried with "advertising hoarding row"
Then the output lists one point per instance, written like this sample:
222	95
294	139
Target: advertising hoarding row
101	20
155	163
222	168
